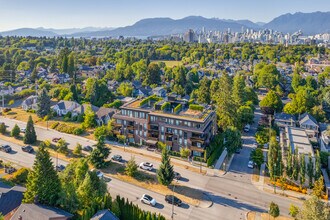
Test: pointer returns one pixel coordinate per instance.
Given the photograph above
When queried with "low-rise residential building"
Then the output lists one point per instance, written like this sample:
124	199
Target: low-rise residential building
104	115
63	107
30	103
104	215
10	199
297	138
159	91
40	212
171	121
310	124
283	120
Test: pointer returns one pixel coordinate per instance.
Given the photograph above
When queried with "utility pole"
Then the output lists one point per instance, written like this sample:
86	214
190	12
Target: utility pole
172	215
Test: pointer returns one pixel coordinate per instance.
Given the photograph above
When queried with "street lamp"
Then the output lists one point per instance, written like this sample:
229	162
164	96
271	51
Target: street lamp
172	215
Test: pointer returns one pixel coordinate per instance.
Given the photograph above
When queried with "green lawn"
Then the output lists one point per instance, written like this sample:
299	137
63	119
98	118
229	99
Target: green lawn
168	63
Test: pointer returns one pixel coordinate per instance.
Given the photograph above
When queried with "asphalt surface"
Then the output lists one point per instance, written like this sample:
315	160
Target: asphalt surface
232	194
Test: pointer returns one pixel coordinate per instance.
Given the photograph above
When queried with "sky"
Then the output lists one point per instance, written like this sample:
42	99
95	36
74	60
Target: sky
117	13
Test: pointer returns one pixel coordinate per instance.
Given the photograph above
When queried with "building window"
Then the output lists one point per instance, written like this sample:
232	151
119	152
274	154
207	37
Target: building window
145	134
180	141
140	133
198	154
185	142
185	135
162	137
199	145
175	131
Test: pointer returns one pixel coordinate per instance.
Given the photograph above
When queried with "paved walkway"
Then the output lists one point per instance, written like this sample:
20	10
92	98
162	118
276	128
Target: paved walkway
265	187
194	164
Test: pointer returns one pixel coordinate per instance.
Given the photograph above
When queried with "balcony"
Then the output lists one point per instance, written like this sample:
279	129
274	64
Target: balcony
116	132
117	125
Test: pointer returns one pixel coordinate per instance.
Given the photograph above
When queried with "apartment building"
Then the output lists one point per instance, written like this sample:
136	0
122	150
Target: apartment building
171	121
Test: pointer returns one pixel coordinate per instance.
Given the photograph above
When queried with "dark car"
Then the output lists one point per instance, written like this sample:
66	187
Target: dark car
27	148
117	158
10	170
173	200
60	168
87	148
5	148
56	139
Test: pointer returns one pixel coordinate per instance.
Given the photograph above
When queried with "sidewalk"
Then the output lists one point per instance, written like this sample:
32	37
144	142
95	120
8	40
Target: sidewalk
267	188
194	165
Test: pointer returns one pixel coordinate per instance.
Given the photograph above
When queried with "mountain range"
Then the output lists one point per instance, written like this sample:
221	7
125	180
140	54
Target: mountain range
308	23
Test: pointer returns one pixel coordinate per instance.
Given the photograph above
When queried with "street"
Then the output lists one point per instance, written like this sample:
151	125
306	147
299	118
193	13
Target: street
232	194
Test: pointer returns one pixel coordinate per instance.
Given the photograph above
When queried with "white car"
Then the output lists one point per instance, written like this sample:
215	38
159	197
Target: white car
146	166
255	145
99	174
146	199
251	164
23	130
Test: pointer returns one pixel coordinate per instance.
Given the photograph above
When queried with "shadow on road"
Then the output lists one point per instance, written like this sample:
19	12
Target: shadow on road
183	179
185	206
13	152
233	202
159	206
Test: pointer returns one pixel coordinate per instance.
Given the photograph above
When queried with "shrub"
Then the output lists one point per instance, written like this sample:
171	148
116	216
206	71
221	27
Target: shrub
2	128
54	125
77	150
78	131
177	108
150	98
293	210
196	107
131	167
47	117
184	152
198	159
174	153
115	104
20	177
121	139
274	210
165	105
15	131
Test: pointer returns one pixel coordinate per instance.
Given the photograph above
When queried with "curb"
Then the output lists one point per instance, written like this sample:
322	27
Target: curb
209	200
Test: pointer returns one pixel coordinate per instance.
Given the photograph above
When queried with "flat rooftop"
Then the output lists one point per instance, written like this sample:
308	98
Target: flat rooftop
186	113
298	139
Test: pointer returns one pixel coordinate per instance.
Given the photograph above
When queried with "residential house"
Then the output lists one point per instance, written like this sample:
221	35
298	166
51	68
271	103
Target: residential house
39	212
309	123
10	199
113	85
104	215
283	120
136	84
30	103
325	141
63	107
81	109
7	91
143	91
104	115
159	91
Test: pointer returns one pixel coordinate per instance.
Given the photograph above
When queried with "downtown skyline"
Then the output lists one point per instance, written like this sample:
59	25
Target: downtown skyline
79	14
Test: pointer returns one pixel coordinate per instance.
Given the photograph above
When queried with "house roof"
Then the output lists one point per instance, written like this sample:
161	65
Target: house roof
136	84
67	104
157	89
284	116
102	112
30	100
10	198
145	90
40	212
82	108
104	215
305	117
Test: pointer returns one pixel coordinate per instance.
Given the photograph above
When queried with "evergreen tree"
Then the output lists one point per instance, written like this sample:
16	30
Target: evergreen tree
152	75
310	170
165	172
30	136
73	89
295	162
272	157
318	189
52	66
226	110
317	165
15	131
43	103
43	183
274	210
203	92
238	90
99	154
71	64
34	75
131	167
289	163
64	64
302	170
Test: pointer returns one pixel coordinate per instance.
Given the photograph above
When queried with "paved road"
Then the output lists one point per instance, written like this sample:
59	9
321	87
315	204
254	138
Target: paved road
233	194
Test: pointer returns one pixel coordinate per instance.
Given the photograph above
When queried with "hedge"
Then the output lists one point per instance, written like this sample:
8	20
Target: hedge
198	159
115	104
150	98
174	153
177	108
196	107
165	105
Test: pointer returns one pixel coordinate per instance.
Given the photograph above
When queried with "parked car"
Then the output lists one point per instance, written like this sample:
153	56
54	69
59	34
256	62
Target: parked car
28	149
5	148
56	139
87	148
148	200
177	175
173	200
146	166
117	158
98	173
255	145
23	130
266	146
60	168
246	128
10	170
251	164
